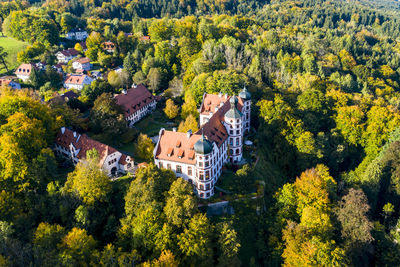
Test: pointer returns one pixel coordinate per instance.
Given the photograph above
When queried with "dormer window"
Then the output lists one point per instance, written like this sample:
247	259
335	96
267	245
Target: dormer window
170	152
178	143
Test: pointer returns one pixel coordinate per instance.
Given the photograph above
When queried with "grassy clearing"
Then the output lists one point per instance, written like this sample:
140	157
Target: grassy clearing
152	123
12	47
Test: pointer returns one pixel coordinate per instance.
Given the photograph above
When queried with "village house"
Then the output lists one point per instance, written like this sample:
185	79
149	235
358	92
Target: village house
9	81
199	157
76	34
77	81
108	46
65	56
24	71
82	64
137	103
73	146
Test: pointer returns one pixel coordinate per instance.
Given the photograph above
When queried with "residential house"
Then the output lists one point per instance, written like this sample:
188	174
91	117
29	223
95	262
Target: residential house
74	146
109	47
66	55
24	71
199	157
77	81
96	74
82	64
137	102
9	81
76	34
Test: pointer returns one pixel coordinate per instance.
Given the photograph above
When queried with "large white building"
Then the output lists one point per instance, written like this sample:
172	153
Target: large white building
137	102
65	56
72	145
199	157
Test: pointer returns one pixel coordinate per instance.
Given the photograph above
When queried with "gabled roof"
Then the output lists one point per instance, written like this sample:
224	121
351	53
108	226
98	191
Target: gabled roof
83	143
167	149
83	60
75	79
134	99
70	52
24	69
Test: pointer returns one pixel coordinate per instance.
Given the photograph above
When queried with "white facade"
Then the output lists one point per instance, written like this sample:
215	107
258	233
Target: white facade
205	170
61	58
81	66
79	86
112	164
140	113
78	35
23	77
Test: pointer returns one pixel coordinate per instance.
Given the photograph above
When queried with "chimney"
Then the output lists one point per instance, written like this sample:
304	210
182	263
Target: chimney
75	134
221	104
226	96
174	129
189	133
62	130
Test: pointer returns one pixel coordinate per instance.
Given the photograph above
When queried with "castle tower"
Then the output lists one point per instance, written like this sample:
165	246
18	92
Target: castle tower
246	97
234	126
204	175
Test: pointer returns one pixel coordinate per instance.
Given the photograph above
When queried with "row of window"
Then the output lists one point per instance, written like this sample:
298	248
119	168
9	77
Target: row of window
112	161
232	139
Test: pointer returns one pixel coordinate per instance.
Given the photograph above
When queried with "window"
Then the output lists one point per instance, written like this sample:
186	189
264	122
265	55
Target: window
178	169
201	164
201	186
190	171
237	131
201	195
237	151
207	164
237	120
168	166
231	141
201	175
161	165
208	194
231	131
207	175
207	186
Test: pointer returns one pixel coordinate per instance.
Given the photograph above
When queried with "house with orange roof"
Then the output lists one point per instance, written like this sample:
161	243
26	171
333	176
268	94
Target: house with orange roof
108	46
24	71
137	102
65	56
74	146
199	157
82	64
77	81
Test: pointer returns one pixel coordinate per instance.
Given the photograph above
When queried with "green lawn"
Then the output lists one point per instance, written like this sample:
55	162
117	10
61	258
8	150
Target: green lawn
12	47
152	123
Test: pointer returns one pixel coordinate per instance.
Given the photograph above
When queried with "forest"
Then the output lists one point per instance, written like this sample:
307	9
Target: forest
325	83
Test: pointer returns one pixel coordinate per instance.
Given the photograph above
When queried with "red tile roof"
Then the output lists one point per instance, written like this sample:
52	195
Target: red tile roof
134	99
24	69
165	148
70	52
83	143
214	130
83	60
75	78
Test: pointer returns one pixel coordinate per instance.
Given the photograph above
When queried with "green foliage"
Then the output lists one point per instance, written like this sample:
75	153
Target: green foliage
89	182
